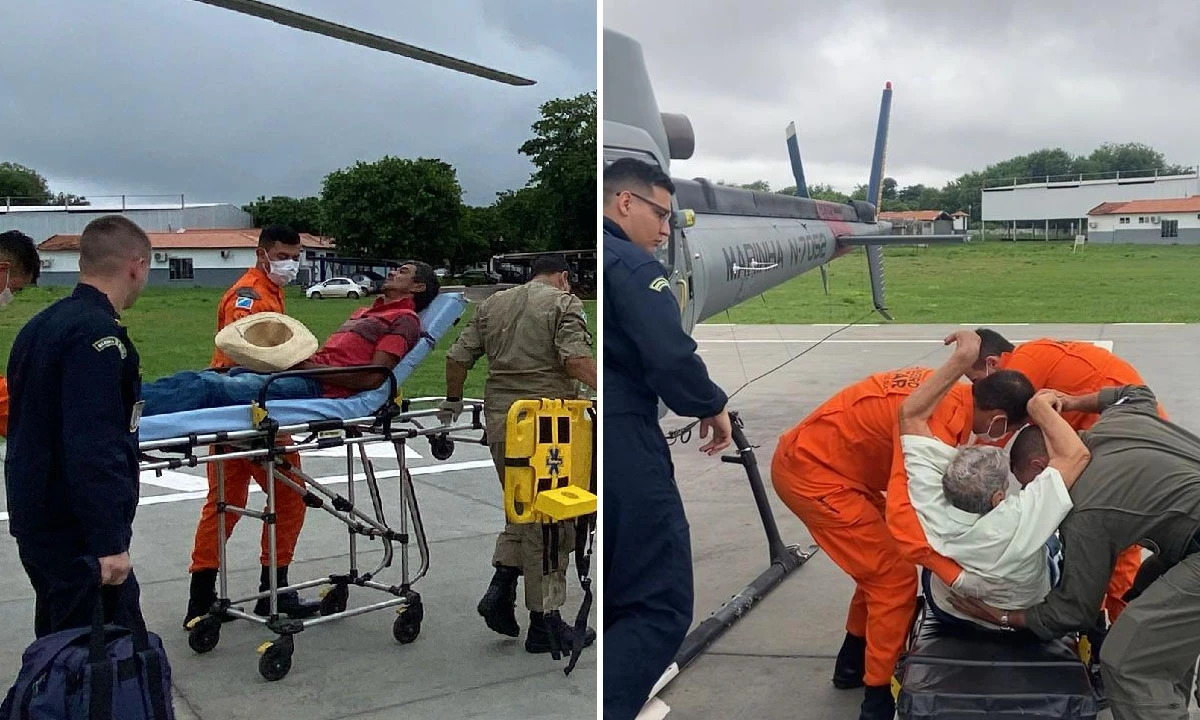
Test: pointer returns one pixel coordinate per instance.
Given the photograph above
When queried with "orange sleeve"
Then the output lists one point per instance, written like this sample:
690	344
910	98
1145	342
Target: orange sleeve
3	407
902	518
1034	362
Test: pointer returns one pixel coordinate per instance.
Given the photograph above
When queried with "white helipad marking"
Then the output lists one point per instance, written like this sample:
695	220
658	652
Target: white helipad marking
376	451
327	480
1106	344
1151	323
175	480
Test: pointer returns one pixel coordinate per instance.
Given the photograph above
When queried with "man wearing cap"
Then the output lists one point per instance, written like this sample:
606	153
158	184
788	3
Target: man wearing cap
260	290
537	344
379	335
21	266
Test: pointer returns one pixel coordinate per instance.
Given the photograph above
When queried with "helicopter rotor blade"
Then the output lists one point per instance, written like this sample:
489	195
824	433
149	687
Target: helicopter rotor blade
311	24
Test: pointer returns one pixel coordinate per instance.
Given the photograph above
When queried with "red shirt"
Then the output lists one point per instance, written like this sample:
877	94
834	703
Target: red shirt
390	327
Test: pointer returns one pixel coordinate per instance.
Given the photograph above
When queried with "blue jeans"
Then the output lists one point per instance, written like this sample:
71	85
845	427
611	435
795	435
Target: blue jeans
209	389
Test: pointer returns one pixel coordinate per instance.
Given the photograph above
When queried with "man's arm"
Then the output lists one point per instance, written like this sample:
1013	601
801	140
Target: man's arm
905	525
463	354
650	313
1068	455
917	408
3	407
573	342
95	430
1135	398
361	380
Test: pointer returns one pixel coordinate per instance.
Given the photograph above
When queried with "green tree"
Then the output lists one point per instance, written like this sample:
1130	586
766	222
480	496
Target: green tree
514	221
393	209
300	214
22	185
888	191
563	149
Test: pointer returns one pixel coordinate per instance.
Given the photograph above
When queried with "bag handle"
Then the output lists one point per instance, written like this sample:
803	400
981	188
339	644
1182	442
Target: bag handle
102	667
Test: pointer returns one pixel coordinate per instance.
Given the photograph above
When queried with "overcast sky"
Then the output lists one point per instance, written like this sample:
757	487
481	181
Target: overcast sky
971	88
175	96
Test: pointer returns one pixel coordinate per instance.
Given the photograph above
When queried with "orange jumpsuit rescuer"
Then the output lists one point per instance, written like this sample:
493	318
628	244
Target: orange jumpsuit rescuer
259	290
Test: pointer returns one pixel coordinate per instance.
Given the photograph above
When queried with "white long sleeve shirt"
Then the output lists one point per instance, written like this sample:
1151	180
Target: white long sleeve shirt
1007	544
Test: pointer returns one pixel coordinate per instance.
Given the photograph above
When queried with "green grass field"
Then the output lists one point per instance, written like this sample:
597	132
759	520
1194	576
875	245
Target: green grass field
995	282
173	330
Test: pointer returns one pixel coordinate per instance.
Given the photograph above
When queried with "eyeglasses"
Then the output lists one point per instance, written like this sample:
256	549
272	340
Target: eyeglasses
662	212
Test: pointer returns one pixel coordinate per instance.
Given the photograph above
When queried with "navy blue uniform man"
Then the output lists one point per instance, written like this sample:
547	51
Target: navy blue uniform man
648	592
72	470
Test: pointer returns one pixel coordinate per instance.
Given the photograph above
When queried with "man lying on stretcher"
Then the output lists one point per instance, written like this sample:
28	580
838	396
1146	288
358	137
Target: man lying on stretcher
381	334
963	502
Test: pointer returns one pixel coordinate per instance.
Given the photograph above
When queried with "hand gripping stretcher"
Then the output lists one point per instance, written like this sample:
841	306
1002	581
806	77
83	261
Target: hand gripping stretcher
263	434
550	478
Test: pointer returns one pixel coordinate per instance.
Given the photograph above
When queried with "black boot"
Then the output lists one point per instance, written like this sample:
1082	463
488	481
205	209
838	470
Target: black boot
538	639
290	603
851	663
878	703
498	604
202	596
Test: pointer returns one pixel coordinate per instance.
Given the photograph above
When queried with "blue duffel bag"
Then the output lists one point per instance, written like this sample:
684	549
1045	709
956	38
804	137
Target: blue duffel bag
102	672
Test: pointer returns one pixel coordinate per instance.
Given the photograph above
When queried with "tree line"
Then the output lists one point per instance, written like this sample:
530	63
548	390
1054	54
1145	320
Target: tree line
412	208
963	193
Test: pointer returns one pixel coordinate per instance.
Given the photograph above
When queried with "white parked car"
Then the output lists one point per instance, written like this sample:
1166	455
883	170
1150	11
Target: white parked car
335	287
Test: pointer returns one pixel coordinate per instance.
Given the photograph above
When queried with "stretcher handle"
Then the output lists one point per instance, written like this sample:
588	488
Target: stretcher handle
320	372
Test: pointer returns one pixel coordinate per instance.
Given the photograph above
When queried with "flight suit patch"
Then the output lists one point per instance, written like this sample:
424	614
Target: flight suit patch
248	292
659	284
135	417
106	342
244	303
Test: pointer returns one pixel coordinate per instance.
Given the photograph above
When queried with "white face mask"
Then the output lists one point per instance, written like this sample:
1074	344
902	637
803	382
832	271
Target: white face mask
1003	430
283	272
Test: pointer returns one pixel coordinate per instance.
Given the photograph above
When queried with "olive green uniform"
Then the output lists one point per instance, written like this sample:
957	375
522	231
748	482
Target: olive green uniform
1141	487
527	333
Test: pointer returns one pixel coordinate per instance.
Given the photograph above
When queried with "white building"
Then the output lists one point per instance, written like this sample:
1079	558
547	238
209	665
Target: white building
189	258
1173	221
42	221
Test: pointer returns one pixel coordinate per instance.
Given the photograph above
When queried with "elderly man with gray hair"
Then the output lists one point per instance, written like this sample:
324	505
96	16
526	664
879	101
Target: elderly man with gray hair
962	501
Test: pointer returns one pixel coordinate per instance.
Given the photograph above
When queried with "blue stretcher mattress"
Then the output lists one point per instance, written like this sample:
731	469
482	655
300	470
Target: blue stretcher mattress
436	319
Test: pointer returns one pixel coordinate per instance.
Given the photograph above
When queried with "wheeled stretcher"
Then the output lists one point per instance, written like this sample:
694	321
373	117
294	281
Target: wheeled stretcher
951	673
265	433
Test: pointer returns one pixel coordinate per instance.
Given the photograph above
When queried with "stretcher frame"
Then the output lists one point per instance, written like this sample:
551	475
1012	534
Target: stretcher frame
396	422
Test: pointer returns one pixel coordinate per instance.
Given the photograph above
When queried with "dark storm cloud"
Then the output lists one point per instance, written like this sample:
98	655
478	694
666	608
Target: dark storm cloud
174	96
975	83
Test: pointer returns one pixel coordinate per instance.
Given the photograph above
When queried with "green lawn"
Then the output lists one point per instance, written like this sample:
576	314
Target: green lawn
173	330
995	282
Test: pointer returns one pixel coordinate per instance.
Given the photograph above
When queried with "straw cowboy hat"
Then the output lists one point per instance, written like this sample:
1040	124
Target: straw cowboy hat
267	342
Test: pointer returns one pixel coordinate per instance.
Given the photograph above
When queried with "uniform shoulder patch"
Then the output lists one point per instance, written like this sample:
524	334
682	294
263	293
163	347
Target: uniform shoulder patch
109	341
244	303
659	284
247	292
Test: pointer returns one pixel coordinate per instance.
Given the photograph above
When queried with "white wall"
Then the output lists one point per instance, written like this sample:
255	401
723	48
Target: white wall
1108	223
1073	200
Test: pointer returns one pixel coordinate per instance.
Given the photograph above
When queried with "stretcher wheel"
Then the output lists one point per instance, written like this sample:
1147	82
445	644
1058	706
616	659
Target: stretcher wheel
205	634
408	623
441	446
276	661
334	601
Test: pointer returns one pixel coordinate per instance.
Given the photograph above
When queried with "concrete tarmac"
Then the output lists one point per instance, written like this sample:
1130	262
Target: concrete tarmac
352	667
777	660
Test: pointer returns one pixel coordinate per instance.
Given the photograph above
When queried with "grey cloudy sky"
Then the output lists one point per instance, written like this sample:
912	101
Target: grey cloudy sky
174	96
974	82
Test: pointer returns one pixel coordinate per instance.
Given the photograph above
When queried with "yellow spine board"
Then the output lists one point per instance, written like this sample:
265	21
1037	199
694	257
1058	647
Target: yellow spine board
548	461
